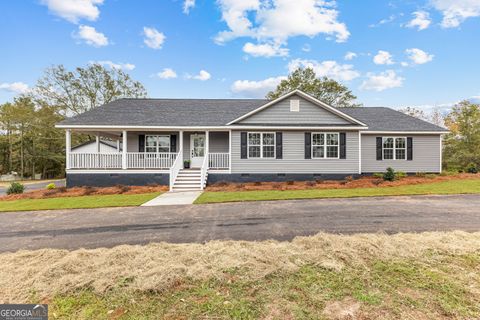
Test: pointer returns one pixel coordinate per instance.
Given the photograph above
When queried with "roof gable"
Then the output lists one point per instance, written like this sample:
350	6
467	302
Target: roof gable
312	111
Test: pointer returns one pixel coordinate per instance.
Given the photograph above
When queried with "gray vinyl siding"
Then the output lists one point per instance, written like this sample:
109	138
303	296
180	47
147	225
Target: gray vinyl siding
218	142
132	139
280	114
426	155
186	146
294	157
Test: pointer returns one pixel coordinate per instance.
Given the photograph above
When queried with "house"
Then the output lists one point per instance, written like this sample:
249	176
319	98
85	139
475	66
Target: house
295	137
100	146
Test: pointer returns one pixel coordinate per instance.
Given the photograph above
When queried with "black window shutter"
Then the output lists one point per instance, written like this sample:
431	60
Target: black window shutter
141	143
279	145
410	148
243	145
308	145
343	145
379	148
173	143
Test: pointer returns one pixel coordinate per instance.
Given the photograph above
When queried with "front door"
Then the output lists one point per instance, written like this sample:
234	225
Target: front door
197	149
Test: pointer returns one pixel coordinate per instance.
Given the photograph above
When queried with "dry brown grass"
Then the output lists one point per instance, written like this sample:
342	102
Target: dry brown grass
84	191
349	183
158	267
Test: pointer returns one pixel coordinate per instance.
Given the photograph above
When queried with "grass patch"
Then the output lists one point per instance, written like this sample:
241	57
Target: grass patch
445	187
82	202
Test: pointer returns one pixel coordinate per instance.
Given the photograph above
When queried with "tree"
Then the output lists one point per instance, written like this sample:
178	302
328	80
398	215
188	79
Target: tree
85	88
462	144
324	89
414	112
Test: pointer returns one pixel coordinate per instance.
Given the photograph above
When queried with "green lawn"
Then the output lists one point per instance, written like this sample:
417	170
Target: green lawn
97	201
445	187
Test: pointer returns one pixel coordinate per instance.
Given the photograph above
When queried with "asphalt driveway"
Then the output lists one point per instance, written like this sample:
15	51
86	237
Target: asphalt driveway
280	220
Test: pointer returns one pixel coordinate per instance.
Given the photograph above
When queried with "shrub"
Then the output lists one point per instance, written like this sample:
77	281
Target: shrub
319	181
400	175
122	188
89	190
62	189
471	168
310	183
420	174
389	175
290	182
378	175
277	185
430	176
15	188
221	184
51	186
257	183
349	179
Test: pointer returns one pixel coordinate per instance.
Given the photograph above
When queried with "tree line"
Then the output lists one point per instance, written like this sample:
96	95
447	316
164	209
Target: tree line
30	144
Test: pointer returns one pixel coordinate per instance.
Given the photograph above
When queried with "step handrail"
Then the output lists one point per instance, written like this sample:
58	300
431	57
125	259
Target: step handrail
175	169
203	174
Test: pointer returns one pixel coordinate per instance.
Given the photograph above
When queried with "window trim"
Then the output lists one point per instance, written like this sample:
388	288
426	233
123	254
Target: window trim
325	145
394	147
156	144
261	144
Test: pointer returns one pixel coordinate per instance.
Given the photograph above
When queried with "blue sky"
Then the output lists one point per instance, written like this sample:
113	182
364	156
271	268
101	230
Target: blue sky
396	53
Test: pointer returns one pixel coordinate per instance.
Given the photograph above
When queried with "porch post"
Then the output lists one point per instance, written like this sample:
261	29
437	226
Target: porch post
230	151
97	143
68	148
207	147
124	149
180	143
118	145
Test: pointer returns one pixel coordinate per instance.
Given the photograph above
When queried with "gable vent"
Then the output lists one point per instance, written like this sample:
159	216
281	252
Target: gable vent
294	105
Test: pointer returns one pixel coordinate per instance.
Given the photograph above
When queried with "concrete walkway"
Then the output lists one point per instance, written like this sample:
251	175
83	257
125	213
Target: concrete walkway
173	198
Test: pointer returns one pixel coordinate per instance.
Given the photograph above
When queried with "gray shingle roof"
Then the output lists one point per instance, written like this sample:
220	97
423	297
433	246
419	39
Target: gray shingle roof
219	112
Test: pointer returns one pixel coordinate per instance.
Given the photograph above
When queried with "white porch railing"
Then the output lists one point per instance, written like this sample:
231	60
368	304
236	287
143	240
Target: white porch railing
175	169
146	160
203	173
219	160
95	160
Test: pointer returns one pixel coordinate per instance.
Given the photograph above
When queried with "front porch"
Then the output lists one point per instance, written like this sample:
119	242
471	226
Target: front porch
154	152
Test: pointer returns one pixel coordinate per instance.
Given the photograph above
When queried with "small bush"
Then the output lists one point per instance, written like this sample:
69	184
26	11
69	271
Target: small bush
378	175
51	186
62	189
15	188
257	183
221	184
420	174
277	185
400	175
89	190
122	189
290	183
389	175
310	183
349	179
471	168
430	176
319	181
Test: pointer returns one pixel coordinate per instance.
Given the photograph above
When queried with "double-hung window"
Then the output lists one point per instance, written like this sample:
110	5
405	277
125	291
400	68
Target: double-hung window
261	145
157	143
325	145
394	148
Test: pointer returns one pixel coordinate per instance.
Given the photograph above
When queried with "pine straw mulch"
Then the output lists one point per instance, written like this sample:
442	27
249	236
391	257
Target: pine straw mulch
84	191
157	267
349	183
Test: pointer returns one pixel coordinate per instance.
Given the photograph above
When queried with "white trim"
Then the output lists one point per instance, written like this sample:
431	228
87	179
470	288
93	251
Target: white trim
305	96
204	146
213	128
124	149
230	151
68	147
441	154
394	148
359	153
261	145
122	171
405	132
325	145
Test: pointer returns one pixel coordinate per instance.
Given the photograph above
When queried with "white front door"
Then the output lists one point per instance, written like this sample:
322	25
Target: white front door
197	149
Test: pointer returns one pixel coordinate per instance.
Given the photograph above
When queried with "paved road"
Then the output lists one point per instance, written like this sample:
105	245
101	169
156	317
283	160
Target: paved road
30	186
281	220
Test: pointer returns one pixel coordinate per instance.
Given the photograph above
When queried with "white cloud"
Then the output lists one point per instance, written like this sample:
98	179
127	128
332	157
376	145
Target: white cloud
187	5
383	57
383	21
15	87
113	65
202	76
167	73
421	21
382	81
418	56
91	36
456	11
404	64
256	89
265	50
306	48
74	10
350	56
153	38
331	69
278	20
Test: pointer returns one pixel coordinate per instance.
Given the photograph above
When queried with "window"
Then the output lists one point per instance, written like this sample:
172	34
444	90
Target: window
294	105
157	144
394	148
325	145
261	145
